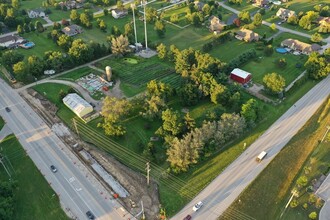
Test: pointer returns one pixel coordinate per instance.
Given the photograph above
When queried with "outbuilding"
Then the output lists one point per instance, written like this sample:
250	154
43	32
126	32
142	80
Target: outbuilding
240	76
77	104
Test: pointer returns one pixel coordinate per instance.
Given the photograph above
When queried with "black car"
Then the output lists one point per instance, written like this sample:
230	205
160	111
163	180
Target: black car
53	168
7	109
90	215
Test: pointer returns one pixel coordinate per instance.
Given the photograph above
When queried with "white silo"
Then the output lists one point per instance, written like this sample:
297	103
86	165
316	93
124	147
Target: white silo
108	71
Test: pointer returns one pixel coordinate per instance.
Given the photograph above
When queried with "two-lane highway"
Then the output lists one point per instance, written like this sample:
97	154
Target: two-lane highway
45	149
223	190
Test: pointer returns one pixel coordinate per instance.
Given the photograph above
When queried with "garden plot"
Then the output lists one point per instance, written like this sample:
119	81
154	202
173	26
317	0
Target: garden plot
93	83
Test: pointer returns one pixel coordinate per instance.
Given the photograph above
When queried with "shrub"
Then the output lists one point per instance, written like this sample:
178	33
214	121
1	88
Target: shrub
312	215
305	206
302	181
294	203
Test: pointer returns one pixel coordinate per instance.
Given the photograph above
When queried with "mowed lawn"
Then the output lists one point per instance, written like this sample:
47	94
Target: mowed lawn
264	65
34	198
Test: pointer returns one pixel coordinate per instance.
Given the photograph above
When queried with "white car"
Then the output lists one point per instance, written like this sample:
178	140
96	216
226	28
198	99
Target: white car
198	206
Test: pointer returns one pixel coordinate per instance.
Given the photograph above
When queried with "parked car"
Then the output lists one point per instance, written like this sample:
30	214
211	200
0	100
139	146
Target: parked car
188	217
53	168
7	109
279	23
90	215
198	206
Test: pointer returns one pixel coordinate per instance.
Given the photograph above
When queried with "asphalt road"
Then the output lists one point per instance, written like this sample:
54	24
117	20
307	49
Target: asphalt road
222	191
45	149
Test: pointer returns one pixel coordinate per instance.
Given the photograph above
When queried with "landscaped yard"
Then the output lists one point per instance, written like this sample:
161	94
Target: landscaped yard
34	198
42	44
270	192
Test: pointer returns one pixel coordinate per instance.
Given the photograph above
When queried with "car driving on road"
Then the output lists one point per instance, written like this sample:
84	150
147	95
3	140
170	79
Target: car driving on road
7	109
90	215
188	217
198	206
53	168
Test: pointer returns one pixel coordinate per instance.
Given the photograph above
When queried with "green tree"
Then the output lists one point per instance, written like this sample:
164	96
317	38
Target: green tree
32	27
113	111
317	66
153	107
20	70
269	50
75	16
274	82
250	111
20	29
312	215
15	4
316	37
85	19
26	28
189	122
160	28
160	89
257	19
54	60
244	16
39	27
174	18
172	124
35	65
162	52
292	20
119	45
10	57
80	52
64	41
273	27
151	14
103	26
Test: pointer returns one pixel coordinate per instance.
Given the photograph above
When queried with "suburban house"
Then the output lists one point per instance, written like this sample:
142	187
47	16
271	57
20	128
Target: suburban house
284	13
118	13
199	5
72	30
216	26
11	41
261	3
299	46
77	104
240	76
71	4
247	35
36	13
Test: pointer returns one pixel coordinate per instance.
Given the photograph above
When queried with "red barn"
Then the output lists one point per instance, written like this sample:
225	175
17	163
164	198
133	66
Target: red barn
240	76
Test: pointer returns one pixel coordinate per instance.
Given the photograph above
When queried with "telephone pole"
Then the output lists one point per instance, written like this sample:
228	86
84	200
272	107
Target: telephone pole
148	173
145	22
4	166
133	8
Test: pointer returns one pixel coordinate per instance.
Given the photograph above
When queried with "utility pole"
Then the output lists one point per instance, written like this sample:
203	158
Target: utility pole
328	128
143	216
148	173
145	22
133	9
75	126
4	166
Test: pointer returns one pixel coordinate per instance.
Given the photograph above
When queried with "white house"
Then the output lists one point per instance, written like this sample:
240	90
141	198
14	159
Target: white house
117	13
285	13
11	41
36	13
77	104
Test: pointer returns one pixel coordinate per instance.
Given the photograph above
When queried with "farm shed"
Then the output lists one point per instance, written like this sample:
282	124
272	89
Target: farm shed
240	76
77	104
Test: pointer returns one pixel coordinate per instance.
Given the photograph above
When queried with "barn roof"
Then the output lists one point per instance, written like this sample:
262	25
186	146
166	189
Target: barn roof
241	73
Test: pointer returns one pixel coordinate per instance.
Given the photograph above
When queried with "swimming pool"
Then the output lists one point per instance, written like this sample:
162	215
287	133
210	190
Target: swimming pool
28	44
281	50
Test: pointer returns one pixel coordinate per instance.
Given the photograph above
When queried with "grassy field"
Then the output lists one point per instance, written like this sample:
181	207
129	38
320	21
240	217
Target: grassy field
269	193
78	73
243	7
34	198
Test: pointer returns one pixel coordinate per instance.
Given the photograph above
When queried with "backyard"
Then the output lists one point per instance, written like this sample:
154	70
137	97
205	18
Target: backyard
34	198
